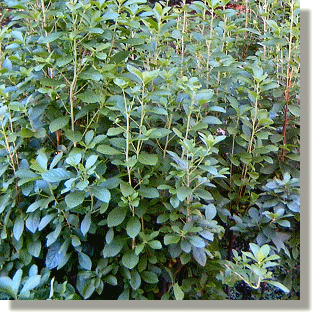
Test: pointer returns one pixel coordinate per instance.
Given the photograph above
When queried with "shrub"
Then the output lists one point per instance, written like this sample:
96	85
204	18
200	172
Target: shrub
143	147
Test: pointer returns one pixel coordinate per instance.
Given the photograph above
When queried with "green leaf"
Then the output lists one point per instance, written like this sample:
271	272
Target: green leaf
58	123
150	193
116	216
203	96
295	110
54	256
284	223
75	241
126	189
18	227
110	151
85	261
183	192
155	244
135	280
88	289
33	221
203	194
185	245
89	97
263	252
135	71
26	133
53	236
211	120
112	280
7	286
115	131
130	259
91	74
210	211
101	193
273	25
148	159
109	236
16	280
254	248
257	72
112	249
148	76
75	198
278	285
45	221
133	227
52	37
110	15
178	293
197	241
206	234
234	103
74	136
56	175
34	248
158	133
62	61
91	161
119	56
169	239
85	224
199	255
149	277
31	283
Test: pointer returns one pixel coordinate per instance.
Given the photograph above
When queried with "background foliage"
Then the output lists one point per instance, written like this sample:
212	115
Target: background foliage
149	150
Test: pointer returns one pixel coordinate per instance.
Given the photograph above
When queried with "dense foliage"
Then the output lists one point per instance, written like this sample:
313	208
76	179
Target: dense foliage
149	150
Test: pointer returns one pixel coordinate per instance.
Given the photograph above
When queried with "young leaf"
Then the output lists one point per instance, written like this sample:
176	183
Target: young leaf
16	280
178	293
30	284
7	286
